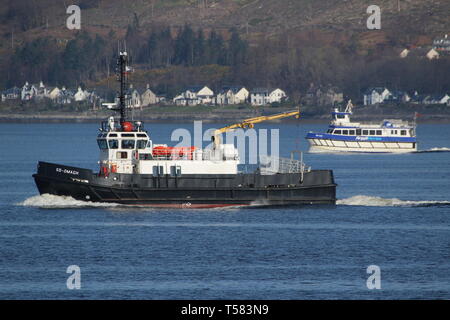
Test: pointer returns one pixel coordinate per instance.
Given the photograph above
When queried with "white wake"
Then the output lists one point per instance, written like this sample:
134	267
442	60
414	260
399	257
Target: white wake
434	150
368	201
60	202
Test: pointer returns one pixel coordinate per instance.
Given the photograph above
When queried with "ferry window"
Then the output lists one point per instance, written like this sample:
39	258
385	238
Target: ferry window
113	144
141	144
337	131
403	132
372	132
379	133
340	116
365	132
344	131
128	144
113	135
358	132
175	171
122	155
352	132
145	156
128	135
102	144
158	170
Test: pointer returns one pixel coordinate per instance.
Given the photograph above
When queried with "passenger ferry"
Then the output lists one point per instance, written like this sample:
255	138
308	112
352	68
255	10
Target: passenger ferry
134	170
389	136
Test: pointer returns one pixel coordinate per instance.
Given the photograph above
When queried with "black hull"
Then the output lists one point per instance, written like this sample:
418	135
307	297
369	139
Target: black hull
195	191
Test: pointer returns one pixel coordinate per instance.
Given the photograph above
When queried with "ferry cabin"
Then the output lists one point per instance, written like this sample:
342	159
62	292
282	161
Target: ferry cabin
135	153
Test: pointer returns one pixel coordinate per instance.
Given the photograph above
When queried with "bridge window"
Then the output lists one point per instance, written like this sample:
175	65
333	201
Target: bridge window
340	116
102	144
128	144
113	144
145	156
403	132
365	132
122	155
337	131
141	135
141	144
345	132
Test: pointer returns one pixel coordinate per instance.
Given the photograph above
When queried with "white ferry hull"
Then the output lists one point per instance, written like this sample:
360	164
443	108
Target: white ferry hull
330	146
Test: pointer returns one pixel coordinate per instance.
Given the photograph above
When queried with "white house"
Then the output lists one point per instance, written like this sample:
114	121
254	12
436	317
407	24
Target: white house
41	91
232	95
265	96
442	44
133	98
195	95
375	95
28	92
81	95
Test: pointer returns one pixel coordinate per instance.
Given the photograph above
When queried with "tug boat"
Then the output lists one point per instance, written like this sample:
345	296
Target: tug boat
136	171
389	136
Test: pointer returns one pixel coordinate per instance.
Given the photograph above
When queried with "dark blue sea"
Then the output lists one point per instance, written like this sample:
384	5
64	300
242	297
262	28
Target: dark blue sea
393	212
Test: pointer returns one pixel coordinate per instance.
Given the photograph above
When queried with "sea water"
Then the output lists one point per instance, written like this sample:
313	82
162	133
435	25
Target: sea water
393	211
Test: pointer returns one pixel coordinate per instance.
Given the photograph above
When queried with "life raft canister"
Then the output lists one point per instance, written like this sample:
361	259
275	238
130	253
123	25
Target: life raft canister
104	171
113	168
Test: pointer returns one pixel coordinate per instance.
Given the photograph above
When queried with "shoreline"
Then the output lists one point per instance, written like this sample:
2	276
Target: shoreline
210	117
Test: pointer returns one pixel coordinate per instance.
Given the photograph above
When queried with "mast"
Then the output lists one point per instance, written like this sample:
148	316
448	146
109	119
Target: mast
122	70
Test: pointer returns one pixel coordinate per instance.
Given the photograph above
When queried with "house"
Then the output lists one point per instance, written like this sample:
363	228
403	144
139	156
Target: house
266	96
132	98
319	96
404	53
397	97
375	95
148	97
81	95
13	93
41	91
442	44
440	99
28	92
232	95
65	96
195	95
53	93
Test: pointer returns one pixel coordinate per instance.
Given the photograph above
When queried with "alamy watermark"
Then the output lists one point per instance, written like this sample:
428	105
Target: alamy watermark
257	141
73	22
74	280
374	20
374	280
